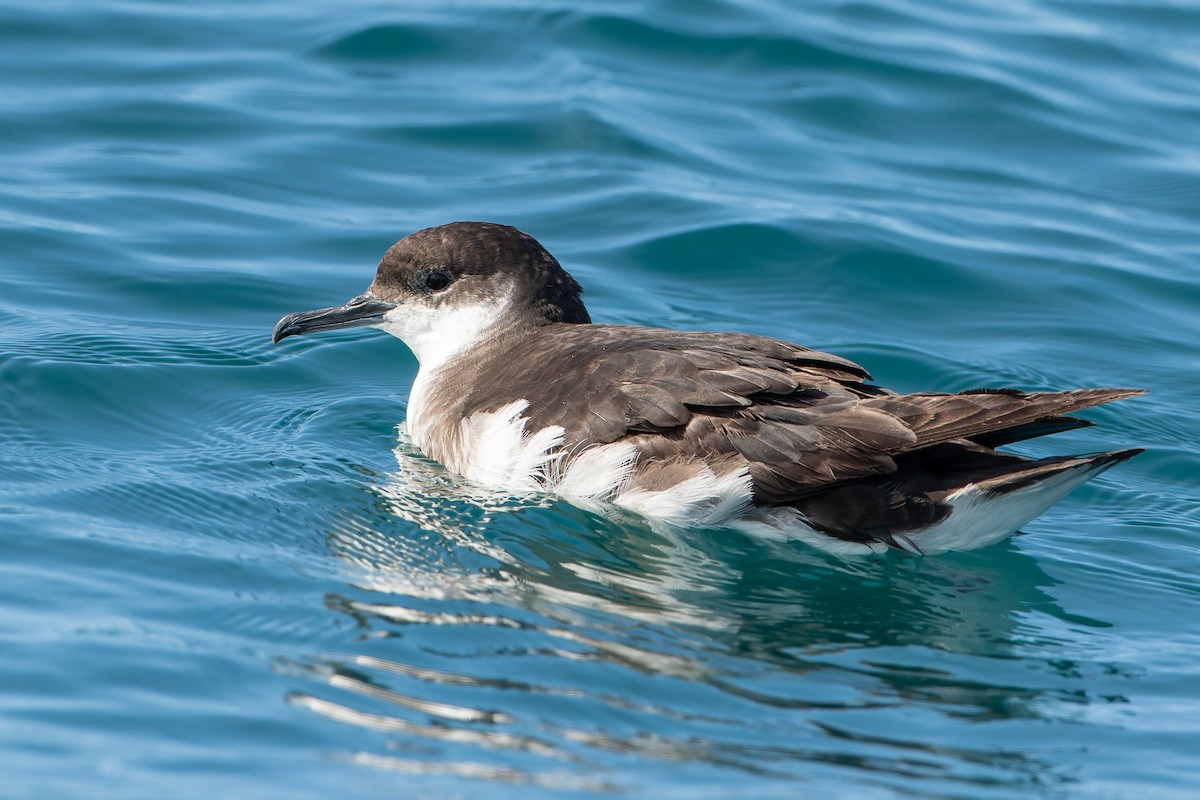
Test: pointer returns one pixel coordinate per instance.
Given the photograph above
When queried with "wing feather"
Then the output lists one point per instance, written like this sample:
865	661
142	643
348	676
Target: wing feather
800	420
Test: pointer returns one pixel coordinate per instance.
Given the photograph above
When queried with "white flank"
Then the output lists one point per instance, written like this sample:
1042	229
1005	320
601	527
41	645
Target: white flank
496	451
598	473
704	499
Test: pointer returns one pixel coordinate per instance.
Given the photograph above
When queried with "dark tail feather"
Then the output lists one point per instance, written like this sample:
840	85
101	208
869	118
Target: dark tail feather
1072	400
1030	430
1057	404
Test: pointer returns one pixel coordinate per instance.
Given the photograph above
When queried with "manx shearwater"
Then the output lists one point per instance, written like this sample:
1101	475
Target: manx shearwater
518	390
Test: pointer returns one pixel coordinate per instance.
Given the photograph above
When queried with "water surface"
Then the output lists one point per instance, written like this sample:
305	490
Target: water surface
223	573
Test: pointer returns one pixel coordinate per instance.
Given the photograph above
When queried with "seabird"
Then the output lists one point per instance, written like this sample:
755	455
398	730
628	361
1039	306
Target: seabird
519	391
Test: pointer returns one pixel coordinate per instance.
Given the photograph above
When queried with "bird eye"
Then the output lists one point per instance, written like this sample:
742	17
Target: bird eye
435	281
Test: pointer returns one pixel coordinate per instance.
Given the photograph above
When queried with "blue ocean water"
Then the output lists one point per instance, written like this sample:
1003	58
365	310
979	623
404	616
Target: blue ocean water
224	574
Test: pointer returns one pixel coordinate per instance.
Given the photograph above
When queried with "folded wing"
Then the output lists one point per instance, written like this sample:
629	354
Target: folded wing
803	421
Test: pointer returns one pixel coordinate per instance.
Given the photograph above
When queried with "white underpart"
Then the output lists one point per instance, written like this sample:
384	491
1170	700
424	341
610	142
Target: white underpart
979	518
496	451
705	499
598	473
435	334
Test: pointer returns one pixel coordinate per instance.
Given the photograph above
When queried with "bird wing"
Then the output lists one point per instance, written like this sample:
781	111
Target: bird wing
801	419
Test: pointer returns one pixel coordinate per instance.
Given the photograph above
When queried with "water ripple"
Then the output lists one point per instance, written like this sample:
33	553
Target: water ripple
214	564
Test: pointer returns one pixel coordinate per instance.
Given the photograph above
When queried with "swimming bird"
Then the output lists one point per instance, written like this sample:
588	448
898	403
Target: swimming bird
518	390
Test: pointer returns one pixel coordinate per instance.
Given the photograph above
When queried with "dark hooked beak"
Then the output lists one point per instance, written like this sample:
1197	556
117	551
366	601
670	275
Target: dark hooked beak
363	311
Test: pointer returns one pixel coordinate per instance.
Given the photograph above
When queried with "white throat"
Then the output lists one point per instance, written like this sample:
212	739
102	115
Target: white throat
436	334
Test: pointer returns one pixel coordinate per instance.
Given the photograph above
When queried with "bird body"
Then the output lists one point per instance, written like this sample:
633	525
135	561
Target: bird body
517	390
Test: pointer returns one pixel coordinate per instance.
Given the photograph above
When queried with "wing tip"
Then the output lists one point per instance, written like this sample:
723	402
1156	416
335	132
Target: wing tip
1117	456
